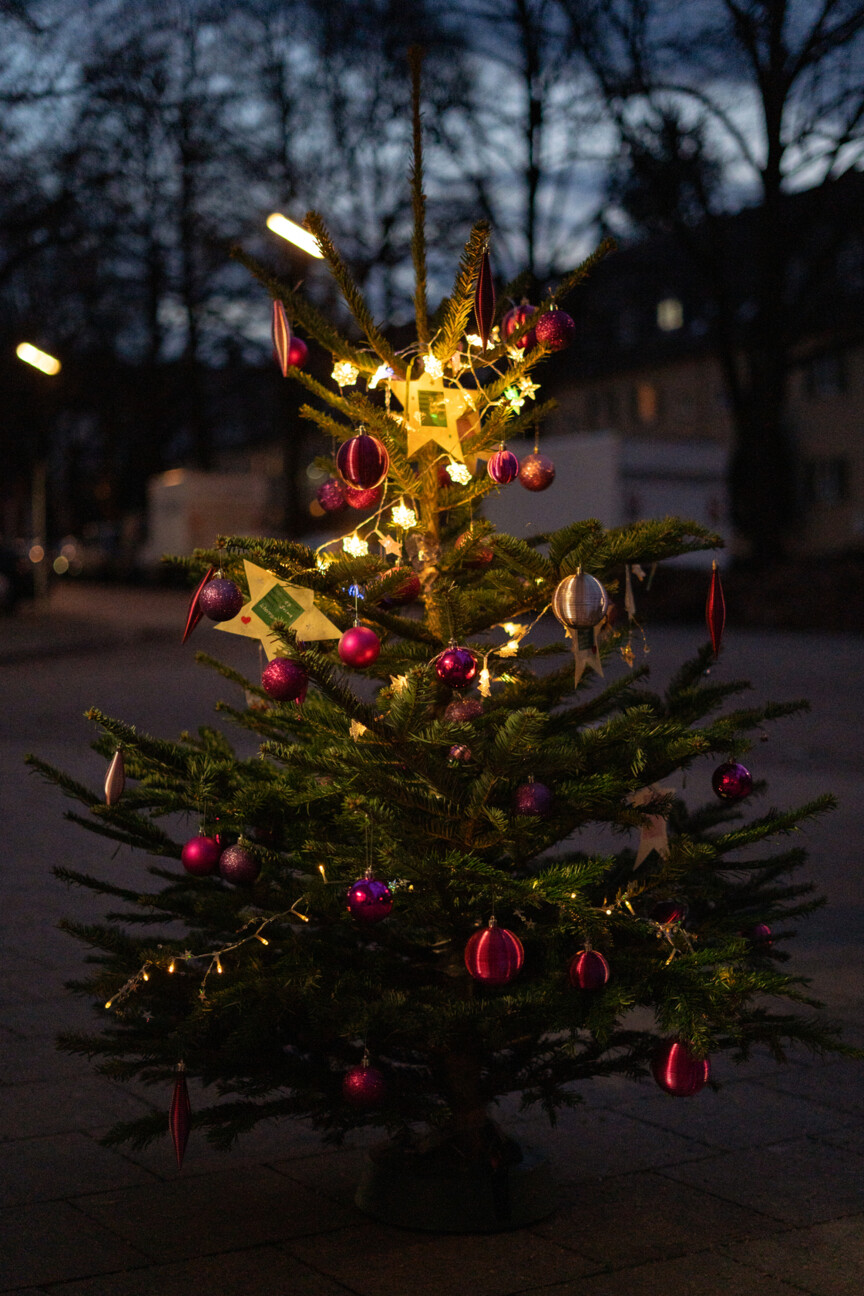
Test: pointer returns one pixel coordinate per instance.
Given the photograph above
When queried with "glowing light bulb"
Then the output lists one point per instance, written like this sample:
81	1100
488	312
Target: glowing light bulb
382	374
345	373
41	360
459	472
294	233
403	517
432	366
355	547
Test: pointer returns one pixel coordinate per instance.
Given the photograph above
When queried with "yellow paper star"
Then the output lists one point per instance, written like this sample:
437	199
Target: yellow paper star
431	414
272	599
654	832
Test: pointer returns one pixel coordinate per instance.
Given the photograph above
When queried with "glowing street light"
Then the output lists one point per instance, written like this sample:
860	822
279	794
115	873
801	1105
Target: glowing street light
38	359
294	233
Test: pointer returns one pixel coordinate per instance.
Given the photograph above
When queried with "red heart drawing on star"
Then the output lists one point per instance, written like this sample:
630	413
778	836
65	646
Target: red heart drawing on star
245	620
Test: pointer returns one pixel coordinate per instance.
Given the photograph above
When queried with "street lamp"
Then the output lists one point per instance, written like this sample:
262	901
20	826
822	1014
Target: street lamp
47	364
295	234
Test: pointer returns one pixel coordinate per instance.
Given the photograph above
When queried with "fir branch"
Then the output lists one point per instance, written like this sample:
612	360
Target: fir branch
418	200
461	301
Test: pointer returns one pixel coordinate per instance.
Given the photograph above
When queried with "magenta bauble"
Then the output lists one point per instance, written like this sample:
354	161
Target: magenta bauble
200	855
666	912
474	550
369	901
298	352
514	319
456	667
364	1086
731	781
284	680
555	330
405	591
536	472
359	647
363	461
463	710
494	955
760	936
357	498
503	467
533	799
238	865
677	1071
220	599
459	752
588	970
330	495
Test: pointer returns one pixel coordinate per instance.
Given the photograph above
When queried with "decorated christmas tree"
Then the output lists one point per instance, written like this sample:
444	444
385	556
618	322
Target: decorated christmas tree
391	915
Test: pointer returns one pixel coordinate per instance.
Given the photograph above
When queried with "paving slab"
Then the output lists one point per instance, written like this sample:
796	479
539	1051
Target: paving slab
35	1060
827	1260
251	1272
802	1182
374	1260
640	1217
61	1166
706	1274
60	1106
199	1215
592	1144
39	1245
838	1085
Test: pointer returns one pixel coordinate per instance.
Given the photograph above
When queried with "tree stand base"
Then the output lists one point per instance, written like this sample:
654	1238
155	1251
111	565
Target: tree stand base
435	1190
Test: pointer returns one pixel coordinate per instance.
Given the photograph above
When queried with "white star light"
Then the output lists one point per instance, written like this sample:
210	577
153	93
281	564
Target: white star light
355	547
459	472
432	366
382	374
403	517
345	373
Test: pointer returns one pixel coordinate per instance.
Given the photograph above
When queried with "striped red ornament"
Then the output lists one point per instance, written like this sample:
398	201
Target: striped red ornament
363	461
281	337
715	610
494	955
589	970
484	299
677	1071
503	467
180	1114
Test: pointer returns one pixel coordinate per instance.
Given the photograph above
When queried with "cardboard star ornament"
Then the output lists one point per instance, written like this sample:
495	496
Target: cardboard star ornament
272	599
654	835
432	413
586	653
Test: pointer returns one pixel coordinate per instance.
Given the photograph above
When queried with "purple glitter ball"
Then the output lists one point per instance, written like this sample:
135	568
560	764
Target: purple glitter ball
456	667
533	799
369	900
200	855
731	781
536	472
284	680
220	599
364	1086
464	710
330	496
236	864
555	330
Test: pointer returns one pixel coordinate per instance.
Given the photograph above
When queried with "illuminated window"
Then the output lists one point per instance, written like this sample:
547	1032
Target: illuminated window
670	314
645	402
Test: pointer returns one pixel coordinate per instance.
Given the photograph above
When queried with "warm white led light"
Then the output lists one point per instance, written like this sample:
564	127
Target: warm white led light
38	359
293	233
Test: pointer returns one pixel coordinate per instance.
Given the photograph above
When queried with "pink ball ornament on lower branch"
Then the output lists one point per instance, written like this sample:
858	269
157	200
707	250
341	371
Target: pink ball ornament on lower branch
285	680
460	754
359	647
237	864
364	1086
474	551
369	901
494	955
200	855
588	970
463	710
677	1071
732	781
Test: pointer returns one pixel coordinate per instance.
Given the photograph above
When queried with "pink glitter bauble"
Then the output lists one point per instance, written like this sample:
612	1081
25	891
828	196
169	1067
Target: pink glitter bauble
477	553
358	498
464	710
369	901
238	865
588	970
220	599
494	955
555	330
330	495
731	781
364	1086
200	855
536	472
503	467
359	647
677	1071
533	799
284	680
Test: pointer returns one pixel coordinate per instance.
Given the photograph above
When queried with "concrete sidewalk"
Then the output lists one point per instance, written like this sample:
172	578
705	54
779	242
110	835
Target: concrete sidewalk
757	1190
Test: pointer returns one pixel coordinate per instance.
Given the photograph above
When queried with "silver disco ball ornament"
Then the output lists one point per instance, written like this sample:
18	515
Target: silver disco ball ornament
580	602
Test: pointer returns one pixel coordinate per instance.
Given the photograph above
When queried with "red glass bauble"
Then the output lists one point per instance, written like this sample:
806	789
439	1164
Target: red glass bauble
405	592
536	472
358	498
555	330
220	599
330	495
456	667
459	752
363	461
359	647
369	901
285	680
502	467
731	781
238	865
494	955
463	710
514	319
666	912
677	1071
298	352
589	970
533	799
715	610
477	553
364	1086
200	855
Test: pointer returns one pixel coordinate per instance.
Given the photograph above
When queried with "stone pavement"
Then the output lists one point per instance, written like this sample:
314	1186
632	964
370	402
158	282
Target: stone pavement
756	1190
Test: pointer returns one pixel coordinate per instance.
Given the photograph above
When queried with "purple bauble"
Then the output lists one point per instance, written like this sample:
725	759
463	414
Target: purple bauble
760	936
359	647
731	781
363	499
536	472
363	461
200	855
369	900
285	680
479	554
513	320
588	970
363	1086
220	599
331	496
555	330
237	864
463	710
533	799
494	955
502	467
677	1071
459	752
456	667
666	912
